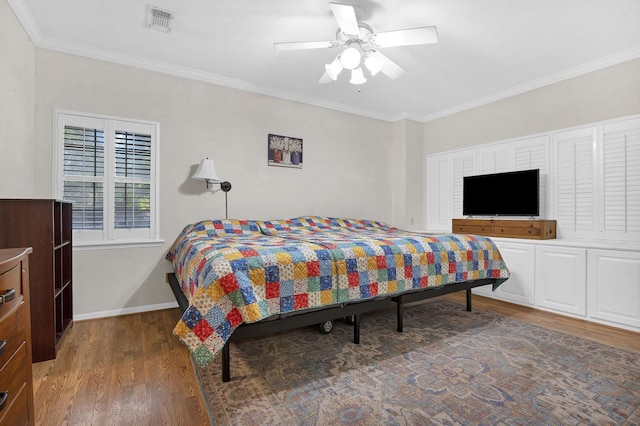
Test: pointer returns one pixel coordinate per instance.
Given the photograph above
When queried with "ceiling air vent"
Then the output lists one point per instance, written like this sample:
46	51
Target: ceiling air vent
158	19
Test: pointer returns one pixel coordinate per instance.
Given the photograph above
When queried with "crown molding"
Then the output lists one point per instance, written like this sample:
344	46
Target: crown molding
26	19
28	22
617	58
193	74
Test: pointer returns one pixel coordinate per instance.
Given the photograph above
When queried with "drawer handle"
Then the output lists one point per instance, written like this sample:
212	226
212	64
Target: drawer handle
8	296
3	346
4	397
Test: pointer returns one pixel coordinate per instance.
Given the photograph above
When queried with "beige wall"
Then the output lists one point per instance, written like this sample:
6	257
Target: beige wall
608	93
345	173
17	73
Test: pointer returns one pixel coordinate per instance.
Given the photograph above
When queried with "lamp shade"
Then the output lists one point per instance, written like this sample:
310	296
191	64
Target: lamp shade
357	77
334	68
373	62
206	171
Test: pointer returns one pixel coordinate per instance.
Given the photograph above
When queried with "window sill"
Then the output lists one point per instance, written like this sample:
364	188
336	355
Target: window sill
115	244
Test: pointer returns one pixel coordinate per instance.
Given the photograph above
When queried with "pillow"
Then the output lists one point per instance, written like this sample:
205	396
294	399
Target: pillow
223	227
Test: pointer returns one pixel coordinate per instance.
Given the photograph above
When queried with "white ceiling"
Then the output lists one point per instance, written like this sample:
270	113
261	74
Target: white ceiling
488	49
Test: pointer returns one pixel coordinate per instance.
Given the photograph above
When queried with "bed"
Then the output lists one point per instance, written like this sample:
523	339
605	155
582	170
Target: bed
242	278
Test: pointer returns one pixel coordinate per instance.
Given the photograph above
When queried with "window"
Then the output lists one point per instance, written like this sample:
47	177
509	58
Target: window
106	166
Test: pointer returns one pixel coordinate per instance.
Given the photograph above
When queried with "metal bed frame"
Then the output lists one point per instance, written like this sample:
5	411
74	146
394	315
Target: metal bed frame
308	317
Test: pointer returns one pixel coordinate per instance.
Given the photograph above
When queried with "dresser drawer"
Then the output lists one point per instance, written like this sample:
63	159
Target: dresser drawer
11	288
13	379
18	412
13	333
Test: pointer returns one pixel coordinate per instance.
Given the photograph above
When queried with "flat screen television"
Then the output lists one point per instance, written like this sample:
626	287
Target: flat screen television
502	194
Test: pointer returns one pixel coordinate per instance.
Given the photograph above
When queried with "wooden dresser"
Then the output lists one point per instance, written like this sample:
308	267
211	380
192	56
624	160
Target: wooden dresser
16	380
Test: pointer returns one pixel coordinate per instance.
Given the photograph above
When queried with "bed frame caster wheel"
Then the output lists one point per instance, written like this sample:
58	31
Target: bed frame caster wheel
325	327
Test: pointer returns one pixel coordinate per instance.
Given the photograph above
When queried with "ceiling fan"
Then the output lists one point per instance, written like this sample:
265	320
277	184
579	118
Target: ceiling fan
361	46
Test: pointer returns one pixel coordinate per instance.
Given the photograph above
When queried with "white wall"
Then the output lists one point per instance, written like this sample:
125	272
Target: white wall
17	74
346	171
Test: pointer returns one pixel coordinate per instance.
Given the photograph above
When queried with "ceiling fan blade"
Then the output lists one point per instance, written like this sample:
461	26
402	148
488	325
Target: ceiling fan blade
302	45
346	17
325	79
423	35
389	68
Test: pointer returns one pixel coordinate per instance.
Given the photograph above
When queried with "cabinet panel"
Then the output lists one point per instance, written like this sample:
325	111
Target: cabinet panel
560	282
519	288
614	286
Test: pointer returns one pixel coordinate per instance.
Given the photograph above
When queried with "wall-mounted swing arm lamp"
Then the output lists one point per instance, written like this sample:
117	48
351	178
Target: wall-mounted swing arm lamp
207	172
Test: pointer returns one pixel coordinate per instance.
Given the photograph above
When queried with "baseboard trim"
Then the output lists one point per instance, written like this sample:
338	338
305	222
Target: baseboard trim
124	311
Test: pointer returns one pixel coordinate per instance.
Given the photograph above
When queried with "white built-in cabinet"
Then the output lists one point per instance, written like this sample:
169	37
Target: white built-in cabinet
560	279
590	184
520	288
614	287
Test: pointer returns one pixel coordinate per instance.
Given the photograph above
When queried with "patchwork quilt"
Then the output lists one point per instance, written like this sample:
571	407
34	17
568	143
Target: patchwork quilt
237	271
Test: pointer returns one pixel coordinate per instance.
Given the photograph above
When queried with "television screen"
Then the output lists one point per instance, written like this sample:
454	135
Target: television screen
502	194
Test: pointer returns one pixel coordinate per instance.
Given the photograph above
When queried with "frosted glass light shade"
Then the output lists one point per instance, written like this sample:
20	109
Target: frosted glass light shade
207	172
373	63
333	69
357	76
350	58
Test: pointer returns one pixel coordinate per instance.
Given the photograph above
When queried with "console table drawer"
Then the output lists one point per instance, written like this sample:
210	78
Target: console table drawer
507	231
473	229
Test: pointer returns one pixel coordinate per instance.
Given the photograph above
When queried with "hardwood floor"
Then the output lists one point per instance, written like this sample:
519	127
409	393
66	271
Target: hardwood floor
127	370
132	370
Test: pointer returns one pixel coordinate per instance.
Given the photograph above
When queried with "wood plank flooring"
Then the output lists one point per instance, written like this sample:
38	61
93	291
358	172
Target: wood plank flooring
127	370
131	370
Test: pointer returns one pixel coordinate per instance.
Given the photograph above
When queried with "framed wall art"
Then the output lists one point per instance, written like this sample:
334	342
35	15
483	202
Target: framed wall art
284	151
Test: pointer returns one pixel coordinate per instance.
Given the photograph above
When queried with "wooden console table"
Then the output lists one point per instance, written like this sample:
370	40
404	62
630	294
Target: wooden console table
529	229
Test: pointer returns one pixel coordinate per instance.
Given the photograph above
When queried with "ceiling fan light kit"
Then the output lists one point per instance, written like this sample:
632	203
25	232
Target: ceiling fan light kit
361	45
357	76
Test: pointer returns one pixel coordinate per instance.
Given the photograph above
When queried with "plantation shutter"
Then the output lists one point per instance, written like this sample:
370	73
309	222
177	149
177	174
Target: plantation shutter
533	154
494	160
621	180
574	171
439	182
83	173
132	206
464	164
106	167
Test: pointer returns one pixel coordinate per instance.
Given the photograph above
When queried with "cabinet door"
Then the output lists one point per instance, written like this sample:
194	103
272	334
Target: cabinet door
614	286
560	282
519	288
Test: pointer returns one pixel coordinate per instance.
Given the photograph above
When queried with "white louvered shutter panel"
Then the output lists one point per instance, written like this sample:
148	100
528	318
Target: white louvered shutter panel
464	164
495	159
574	183
621	180
439	199
534	154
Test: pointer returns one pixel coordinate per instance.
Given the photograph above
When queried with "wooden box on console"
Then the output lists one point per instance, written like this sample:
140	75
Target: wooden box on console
529	229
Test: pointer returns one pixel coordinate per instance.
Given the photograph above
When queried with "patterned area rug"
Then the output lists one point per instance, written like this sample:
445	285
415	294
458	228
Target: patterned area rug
448	367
